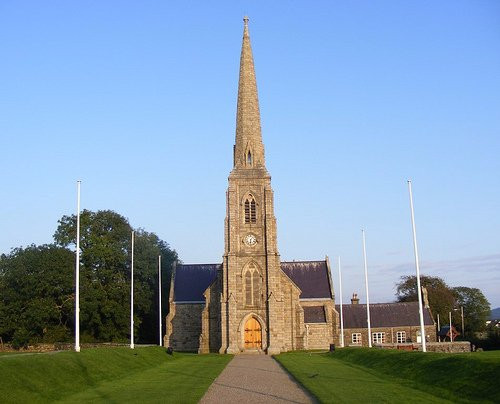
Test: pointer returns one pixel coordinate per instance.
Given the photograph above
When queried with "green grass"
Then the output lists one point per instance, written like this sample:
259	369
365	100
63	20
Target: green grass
351	375
108	375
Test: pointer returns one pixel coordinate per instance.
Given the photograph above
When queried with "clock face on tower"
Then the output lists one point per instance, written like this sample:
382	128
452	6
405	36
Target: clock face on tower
250	240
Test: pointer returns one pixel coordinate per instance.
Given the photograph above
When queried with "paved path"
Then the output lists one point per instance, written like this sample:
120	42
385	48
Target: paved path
255	378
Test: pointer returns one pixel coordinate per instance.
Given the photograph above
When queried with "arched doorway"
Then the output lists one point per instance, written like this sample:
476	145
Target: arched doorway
253	334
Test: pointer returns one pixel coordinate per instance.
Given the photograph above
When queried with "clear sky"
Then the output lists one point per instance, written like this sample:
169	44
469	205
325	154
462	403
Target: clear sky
138	100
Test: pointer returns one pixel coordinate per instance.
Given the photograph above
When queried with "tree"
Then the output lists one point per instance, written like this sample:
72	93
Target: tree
105	275
37	283
36	294
147	249
476	309
441	297
104	272
444	299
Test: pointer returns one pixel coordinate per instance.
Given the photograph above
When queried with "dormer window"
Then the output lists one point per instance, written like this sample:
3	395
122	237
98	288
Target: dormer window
250	210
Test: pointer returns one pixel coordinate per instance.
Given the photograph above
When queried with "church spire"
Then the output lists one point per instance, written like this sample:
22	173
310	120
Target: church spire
248	150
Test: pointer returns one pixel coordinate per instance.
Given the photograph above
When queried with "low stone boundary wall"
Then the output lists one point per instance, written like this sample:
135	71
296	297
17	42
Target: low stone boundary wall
448	347
58	346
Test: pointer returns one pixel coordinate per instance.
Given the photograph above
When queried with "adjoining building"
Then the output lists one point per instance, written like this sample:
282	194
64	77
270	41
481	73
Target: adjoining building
390	323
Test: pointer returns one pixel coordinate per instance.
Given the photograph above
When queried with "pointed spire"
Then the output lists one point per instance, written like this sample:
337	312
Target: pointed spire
248	150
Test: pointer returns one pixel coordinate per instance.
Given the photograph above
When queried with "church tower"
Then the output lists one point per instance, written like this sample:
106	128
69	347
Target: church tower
252	301
250	298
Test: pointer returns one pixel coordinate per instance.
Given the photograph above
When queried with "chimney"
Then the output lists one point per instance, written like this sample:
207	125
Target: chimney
354	299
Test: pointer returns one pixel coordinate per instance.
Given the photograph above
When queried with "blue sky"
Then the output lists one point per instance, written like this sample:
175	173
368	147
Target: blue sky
138	100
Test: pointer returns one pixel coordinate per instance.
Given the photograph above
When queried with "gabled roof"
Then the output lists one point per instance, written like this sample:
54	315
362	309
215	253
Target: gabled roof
311	277
384	315
192	280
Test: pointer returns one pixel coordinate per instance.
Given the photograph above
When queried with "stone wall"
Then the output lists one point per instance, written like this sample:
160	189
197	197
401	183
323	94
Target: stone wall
445	347
292	328
61	346
451	347
184	326
318	335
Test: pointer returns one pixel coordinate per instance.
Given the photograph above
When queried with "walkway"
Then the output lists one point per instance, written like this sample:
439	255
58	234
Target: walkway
255	378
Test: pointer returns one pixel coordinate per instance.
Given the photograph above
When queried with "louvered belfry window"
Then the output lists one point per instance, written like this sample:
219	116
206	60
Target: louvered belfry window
250	210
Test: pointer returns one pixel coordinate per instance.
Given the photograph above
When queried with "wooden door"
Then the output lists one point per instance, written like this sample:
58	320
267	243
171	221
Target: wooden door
253	334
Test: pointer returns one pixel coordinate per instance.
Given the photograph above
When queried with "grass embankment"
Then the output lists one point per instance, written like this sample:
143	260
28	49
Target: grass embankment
351	375
109	375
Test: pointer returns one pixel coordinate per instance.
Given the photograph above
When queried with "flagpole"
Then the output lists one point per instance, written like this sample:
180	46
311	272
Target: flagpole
419	290
341	310
451	331
439	328
77	271
159	297
367	295
132	296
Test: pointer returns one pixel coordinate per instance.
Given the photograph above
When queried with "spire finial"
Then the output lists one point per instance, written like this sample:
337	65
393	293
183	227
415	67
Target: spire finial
245	20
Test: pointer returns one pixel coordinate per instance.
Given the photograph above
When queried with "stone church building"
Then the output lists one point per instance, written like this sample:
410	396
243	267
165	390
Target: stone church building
252	300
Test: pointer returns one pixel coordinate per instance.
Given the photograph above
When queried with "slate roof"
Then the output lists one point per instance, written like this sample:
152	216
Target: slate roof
192	280
383	315
310	276
314	314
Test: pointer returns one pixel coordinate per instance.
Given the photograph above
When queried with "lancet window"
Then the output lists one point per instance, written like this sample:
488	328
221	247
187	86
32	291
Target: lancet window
253	283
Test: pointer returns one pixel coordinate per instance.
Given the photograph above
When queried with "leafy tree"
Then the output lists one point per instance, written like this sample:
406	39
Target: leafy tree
104	293
105	275
36	294
476	309
37	283
440	295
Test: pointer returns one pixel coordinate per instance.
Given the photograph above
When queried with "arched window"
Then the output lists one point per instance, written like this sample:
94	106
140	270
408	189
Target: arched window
249	158
250	210
253	286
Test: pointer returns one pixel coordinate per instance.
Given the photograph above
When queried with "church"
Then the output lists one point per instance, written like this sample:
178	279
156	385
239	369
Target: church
252	300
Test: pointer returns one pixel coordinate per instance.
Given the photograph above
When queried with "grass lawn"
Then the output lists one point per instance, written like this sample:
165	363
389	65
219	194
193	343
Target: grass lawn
109	375
351	375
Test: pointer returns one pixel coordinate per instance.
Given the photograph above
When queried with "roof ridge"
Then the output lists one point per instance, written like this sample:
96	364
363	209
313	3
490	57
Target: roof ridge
375	304
298	262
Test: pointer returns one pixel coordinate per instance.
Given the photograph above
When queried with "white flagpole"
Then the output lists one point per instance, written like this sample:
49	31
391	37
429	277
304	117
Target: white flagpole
419	290
159	297
132	295
439	328
367	295
451	332
341	310
77	272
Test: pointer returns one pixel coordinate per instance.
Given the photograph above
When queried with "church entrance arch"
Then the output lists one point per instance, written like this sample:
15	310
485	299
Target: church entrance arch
253	334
